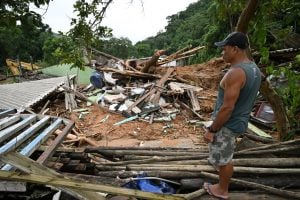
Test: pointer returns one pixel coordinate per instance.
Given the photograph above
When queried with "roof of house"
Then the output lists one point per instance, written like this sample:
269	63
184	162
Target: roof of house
23	95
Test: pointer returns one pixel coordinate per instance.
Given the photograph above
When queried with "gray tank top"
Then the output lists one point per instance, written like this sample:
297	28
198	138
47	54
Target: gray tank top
238	122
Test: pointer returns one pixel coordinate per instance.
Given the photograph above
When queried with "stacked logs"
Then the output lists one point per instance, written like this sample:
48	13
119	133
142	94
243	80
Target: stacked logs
264	168
273	168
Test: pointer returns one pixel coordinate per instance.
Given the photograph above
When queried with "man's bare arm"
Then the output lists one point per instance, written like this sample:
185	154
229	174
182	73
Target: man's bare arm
232	85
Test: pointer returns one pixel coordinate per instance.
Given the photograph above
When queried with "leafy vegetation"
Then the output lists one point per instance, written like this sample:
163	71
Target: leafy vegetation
287	83
24	36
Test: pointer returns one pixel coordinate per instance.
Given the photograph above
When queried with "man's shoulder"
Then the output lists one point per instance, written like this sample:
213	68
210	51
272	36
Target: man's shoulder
235	76
235	71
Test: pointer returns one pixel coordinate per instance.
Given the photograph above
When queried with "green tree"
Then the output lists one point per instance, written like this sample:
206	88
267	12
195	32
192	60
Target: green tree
56	47
118	47
143	49
24	41
12	11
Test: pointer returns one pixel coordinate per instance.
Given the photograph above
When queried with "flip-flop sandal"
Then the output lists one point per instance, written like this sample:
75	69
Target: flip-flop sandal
206	186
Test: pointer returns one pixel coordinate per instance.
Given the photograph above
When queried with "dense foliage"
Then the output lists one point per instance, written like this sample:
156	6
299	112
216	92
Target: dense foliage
22	33
205	22
275	25
202	23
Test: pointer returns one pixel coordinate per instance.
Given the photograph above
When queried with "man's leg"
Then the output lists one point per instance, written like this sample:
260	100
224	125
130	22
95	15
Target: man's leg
221	152
225	175
222	187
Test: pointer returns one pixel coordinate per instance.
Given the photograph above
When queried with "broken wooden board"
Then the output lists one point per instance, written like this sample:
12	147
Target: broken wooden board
254	130
181	87
194	100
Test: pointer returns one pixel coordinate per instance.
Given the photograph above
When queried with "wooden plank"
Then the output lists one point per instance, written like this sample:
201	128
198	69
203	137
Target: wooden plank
84	186
255	130
187	107
142	98
58	140
194	100
54	165
44	107
160	84
29	166
259	139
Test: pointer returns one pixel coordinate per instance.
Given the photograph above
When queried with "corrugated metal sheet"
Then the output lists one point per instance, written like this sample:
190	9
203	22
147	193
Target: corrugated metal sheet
23	95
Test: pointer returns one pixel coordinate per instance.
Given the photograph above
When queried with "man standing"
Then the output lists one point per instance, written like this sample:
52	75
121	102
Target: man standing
236	96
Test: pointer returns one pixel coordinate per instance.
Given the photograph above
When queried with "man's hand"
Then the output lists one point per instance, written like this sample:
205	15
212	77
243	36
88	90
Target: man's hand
208	136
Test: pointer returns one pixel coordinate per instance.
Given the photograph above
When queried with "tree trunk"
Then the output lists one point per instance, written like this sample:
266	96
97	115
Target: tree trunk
246	16
282	122
267	92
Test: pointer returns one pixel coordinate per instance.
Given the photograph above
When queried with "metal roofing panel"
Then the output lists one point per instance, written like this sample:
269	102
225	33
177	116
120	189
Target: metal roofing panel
23	95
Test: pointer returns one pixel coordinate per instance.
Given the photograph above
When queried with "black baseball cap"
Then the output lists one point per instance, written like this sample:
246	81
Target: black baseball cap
234	39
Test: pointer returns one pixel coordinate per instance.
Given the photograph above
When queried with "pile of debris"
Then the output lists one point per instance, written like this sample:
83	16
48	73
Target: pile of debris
125	100
258	167
137	93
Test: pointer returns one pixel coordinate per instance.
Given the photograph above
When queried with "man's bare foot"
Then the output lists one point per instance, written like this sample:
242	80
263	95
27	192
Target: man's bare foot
214	190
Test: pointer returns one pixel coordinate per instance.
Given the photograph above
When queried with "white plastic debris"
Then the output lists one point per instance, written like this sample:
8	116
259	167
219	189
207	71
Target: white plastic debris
136	91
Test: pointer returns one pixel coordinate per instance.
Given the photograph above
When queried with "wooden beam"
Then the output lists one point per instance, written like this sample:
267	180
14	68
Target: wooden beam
160	84
255	130
194	100
29	166
84	186
51	149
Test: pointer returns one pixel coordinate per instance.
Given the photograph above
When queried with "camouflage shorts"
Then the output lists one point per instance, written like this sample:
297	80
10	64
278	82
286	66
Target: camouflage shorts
222	148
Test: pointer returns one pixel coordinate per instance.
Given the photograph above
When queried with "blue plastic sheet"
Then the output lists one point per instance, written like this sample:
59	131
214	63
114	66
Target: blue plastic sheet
149	185
96	79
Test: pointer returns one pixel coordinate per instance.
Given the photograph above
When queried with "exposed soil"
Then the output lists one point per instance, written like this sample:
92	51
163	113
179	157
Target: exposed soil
97	125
